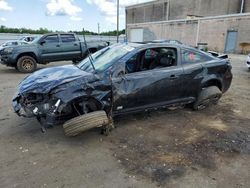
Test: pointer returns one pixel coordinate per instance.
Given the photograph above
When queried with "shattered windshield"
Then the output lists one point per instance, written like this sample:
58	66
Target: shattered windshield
105	57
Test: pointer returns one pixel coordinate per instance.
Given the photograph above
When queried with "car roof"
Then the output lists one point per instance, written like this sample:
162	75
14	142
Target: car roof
155	45
141	46
59	33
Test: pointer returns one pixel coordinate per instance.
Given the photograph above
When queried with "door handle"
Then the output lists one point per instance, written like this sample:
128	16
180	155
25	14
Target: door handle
173	77
57	45
75	44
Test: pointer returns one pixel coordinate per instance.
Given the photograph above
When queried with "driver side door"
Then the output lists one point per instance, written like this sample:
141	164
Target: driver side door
50	48
140	90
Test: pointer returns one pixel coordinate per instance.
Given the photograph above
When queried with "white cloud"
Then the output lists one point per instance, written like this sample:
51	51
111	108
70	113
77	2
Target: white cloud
5	6
62	8
3	19
109	8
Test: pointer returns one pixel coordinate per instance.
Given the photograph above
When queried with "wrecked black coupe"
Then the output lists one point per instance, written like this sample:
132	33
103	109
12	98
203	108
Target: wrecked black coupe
120	79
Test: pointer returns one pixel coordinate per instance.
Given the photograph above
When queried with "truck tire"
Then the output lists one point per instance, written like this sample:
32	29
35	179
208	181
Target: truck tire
26	64
207	96
85	122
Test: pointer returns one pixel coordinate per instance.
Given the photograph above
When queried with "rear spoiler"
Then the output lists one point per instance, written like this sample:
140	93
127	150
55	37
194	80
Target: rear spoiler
223	56
216	54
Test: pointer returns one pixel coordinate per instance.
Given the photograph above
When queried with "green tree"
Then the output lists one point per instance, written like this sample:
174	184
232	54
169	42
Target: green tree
4	29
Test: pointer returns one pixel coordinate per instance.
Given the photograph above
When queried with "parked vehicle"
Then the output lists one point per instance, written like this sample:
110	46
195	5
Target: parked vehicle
12	43
120	79
47	48
248	62
27	38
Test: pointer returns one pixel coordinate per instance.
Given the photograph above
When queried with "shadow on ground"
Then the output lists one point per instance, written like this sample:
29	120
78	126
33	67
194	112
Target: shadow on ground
147	147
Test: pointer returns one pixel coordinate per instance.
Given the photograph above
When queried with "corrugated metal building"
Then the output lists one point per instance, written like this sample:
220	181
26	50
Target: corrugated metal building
223	24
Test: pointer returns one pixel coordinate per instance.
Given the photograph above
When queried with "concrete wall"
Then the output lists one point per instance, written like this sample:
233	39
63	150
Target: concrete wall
211	31
180	9
182	31
147	12
247	6
214	32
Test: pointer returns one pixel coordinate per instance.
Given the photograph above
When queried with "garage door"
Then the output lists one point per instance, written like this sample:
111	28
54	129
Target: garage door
136	35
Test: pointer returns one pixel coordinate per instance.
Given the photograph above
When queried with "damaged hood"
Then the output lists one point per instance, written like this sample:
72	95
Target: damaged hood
43	81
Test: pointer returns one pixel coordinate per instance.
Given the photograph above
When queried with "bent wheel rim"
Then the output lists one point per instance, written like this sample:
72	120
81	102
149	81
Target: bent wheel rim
27	64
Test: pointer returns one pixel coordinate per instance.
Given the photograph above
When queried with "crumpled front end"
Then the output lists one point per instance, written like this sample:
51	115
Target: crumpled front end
56	100
39	106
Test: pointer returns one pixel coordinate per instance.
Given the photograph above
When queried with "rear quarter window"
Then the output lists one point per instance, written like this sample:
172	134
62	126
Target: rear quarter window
191	57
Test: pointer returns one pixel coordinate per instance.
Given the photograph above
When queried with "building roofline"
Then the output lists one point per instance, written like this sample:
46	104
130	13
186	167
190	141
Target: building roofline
195	19
143	4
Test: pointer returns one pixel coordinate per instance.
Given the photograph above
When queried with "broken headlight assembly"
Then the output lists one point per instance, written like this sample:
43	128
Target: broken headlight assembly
7	50
37	104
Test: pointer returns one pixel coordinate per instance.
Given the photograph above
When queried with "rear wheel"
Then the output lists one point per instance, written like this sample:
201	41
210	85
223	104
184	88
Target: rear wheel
85	122
208	96
26	64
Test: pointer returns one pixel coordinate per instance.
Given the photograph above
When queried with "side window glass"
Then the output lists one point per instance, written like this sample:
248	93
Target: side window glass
191	57
68	38
150	53
164	57
152	58
51	39
131	64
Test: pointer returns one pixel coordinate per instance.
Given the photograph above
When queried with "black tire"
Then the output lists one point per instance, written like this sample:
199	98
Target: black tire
208	96
85	122
26	64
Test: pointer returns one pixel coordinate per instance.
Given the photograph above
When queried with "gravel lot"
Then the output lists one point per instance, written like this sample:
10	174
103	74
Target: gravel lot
170	148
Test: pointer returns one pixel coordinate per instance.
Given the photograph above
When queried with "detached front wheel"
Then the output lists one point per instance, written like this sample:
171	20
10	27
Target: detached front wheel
208	96
26	64
82	123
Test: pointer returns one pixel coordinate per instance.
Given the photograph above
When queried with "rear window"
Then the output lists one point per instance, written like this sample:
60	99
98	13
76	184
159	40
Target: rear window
191	57
68	38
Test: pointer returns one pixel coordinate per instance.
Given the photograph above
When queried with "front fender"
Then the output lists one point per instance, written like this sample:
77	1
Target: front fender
94	88
24	51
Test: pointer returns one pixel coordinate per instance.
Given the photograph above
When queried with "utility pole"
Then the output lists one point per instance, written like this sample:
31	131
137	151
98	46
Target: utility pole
117	32
98	26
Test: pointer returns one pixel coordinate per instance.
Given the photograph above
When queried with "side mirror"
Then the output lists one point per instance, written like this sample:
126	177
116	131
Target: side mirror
42	42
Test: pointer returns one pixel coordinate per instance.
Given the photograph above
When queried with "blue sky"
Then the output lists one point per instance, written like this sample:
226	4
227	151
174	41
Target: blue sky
63	15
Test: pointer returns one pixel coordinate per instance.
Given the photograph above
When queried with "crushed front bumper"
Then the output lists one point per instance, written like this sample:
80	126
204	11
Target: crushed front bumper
7	60
49	118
